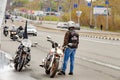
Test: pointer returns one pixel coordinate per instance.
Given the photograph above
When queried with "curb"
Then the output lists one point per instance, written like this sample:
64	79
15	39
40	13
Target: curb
100	37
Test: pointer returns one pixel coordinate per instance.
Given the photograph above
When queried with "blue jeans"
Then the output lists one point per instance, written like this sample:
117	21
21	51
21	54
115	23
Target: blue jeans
69	52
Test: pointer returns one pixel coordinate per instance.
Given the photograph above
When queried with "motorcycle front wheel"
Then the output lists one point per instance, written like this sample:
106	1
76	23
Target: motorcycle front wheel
47	71
54	68
19	66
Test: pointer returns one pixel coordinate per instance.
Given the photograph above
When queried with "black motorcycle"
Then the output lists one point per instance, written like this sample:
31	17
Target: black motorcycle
13	35
5	31
22	57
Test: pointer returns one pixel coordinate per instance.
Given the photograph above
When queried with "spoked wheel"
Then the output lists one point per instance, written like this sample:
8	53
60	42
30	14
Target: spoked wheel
54	68
19	66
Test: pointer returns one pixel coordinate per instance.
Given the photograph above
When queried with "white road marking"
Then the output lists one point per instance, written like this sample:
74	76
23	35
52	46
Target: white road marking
100	63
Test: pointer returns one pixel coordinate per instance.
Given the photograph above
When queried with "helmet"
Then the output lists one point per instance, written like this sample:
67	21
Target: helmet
71	24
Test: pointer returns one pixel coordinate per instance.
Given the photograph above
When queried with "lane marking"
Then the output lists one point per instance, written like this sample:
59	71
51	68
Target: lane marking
100	63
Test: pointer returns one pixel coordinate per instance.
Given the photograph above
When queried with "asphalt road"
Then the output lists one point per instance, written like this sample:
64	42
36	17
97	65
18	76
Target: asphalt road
96	59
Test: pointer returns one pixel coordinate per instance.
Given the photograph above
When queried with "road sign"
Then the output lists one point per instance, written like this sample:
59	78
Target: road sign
48	9
78	13
100	10
89	4
60	8
75	5
106	2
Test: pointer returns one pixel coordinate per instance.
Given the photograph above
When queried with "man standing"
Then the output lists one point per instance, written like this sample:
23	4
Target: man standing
5	21
71	41
101	27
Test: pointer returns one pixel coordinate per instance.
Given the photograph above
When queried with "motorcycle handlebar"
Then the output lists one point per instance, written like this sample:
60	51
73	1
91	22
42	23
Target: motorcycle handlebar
54	44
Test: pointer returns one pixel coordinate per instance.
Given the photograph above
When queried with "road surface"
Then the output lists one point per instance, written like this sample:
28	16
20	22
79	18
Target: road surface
95	59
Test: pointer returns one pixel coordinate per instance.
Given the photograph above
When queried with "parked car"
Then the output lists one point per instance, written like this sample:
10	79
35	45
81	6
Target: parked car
77	26
62	25
31	30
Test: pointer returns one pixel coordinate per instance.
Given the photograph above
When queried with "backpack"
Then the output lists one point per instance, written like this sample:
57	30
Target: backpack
73	39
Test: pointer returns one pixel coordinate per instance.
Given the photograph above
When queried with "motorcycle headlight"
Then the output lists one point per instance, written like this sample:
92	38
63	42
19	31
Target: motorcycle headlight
25	49
13	32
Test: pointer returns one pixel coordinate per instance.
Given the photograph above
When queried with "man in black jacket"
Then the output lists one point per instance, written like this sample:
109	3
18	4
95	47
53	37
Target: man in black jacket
71	41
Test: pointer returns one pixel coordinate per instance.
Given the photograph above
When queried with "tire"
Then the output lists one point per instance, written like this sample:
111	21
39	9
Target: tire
47	72
14	38
34	34
19	66
6	33
54	68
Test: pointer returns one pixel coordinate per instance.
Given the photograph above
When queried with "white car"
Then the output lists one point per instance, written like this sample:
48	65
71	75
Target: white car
31	30
62	25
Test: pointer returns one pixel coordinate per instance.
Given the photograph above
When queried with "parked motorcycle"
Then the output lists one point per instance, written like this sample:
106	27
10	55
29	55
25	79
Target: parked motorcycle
23	56
52	63
13	35
5	31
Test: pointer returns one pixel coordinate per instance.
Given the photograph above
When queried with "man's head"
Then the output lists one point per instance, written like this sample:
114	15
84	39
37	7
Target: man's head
71	28
71	25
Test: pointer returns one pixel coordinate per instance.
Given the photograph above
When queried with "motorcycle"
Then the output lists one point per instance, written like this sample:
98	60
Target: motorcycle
52	63
23	55
5	31
13	35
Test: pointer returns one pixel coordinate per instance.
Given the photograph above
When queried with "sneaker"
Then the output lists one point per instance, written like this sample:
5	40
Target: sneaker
61	73
71	73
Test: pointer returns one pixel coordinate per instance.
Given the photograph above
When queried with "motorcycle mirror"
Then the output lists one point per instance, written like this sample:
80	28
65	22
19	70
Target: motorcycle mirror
59	45
48	37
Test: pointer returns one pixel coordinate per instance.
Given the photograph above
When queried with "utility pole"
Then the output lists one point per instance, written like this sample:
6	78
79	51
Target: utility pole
59	10
107	3
91	12
79	10
70	10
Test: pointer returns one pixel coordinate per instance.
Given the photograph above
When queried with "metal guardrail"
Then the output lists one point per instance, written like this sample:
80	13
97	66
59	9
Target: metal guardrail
4	60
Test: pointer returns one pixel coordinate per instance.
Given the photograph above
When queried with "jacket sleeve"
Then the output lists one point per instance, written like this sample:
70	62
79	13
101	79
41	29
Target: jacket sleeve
66	38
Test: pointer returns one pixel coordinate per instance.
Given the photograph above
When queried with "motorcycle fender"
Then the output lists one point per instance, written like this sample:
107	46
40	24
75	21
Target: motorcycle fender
51	62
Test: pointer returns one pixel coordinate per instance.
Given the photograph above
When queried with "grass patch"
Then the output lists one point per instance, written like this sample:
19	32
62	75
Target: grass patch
51	18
